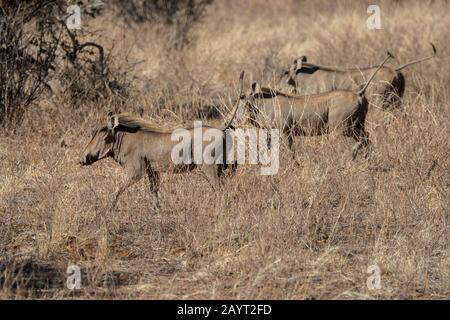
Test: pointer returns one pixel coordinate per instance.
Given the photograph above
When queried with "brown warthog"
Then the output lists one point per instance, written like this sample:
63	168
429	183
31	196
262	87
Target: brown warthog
303	77
311	115
142	148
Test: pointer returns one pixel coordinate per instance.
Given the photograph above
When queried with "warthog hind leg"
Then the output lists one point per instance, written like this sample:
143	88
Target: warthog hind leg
363	141
154	180
288	139
211	172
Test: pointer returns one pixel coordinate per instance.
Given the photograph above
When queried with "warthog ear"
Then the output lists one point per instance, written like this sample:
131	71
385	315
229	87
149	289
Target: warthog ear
302	58
113	121
299	63
256	87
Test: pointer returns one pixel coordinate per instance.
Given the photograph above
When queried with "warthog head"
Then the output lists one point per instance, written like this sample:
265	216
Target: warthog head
102	142
290	74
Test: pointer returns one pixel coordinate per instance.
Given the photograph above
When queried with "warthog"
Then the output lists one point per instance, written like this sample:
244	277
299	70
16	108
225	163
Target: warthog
143	148
303	77
311	115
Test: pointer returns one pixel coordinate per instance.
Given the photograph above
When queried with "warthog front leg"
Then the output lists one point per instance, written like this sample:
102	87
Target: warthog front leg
135	171
128	183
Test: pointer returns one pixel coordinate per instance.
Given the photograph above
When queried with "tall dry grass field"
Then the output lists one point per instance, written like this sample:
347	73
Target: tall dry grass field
310	231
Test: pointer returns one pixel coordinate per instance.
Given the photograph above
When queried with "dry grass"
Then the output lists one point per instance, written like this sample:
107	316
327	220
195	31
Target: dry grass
308	232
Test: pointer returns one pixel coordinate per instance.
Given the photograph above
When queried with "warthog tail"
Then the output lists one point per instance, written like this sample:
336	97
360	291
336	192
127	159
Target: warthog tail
363	90
236	106
418	60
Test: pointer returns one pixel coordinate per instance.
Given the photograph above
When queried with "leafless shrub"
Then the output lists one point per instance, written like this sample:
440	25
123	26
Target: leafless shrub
36	47
25	58
176	16
88	76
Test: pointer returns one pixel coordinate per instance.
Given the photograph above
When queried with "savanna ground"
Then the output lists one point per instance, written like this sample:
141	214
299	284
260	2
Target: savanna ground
311	231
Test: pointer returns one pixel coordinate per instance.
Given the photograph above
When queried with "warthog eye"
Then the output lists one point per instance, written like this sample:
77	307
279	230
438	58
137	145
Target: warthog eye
109	137
242	96
291	82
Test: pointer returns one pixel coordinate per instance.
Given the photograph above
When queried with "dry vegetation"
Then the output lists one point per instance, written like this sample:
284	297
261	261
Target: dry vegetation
308	232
